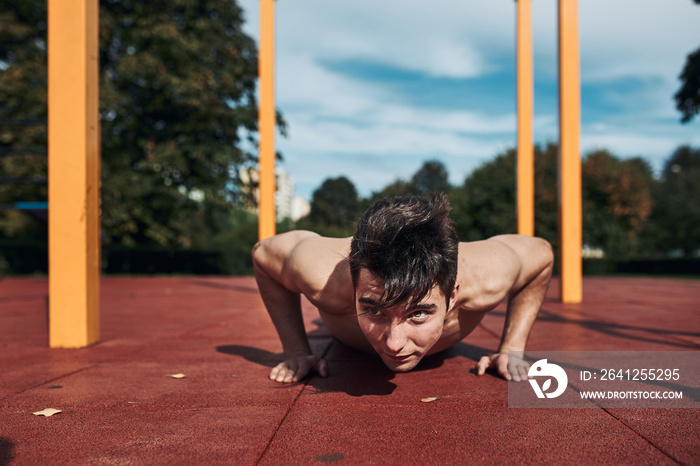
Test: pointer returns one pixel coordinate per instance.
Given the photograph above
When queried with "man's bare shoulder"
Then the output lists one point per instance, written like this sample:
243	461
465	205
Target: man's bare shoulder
491	247
318	266
313	251
487	271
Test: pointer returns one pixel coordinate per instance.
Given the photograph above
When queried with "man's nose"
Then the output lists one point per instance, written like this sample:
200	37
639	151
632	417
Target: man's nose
395	338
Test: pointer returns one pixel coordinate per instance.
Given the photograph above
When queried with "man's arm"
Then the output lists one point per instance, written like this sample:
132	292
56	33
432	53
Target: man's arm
534	260
278	283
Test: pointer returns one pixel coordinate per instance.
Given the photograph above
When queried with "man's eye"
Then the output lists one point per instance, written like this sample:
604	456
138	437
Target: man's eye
372	312
419	316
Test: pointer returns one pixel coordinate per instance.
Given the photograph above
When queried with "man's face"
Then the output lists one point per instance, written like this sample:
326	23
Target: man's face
401	334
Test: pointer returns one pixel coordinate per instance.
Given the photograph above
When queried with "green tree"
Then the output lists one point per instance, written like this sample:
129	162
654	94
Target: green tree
398	188
335	208
547	193
23	136
432	177
676	214
617	201
688	96
616	198
178	109
484	205
235	242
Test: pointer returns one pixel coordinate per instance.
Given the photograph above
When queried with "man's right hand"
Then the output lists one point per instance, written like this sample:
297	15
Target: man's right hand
296	368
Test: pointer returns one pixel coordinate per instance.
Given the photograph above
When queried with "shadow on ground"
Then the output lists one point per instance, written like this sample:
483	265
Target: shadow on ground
353	372
7	451
614	329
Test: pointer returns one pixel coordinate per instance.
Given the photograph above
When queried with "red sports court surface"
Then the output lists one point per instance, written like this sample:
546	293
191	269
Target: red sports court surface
120	404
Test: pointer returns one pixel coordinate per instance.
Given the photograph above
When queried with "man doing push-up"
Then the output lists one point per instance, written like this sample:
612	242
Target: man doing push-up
402	287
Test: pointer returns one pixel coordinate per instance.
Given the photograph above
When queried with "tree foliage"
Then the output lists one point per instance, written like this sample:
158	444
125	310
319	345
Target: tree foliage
397	188
617	201
676	215
485	204
688	96
547	193
616	196
23	136
432	177
177	103
178	111
335	208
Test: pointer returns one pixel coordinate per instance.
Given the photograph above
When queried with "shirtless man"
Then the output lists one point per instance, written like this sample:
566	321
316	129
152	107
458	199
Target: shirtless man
402	287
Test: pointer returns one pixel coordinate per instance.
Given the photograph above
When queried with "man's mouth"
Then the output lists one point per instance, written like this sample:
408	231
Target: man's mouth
398	358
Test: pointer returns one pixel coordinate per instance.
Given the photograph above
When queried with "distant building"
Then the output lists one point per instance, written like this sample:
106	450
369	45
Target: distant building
287	205
284	194
300	208
591	252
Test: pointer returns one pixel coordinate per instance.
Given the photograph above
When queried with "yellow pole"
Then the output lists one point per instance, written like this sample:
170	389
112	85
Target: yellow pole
266	122
570	223
74	173
525	86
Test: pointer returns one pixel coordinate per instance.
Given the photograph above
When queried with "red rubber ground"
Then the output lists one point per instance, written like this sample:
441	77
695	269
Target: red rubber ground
120	405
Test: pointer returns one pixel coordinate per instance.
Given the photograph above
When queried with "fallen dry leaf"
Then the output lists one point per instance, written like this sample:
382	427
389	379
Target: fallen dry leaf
430	399
178	376
48	412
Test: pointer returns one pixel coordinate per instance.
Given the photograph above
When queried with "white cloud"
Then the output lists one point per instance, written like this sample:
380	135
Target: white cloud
383	139
647	140
446	38
303	84
633	38
331	113
339	125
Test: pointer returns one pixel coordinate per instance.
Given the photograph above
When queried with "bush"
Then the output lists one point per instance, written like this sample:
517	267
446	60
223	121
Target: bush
642	266
23	257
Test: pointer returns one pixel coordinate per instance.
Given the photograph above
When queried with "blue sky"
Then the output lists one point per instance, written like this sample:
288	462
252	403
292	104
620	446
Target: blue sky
370	90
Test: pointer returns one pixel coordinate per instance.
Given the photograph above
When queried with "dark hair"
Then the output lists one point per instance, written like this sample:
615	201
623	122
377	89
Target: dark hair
410	243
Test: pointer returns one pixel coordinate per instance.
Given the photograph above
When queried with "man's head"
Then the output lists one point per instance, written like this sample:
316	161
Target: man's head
403	260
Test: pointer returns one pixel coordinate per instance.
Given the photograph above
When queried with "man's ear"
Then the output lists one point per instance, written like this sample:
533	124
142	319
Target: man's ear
453	296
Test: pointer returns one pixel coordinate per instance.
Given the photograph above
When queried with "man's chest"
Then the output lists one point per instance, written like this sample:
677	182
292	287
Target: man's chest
458	324
343	324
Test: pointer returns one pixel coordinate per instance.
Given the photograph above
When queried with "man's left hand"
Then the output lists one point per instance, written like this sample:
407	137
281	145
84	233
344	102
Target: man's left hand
513	368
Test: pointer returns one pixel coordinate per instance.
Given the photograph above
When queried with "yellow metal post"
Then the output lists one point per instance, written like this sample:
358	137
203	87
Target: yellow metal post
570	210
525	88
266	121
74	173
